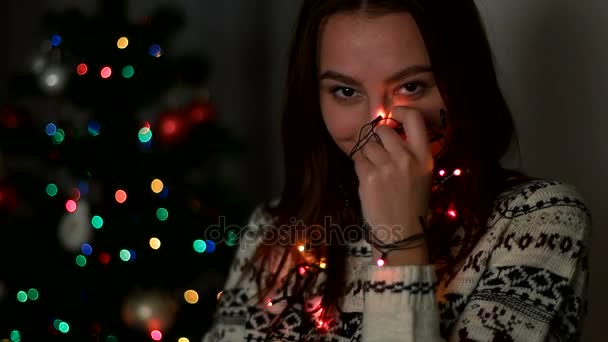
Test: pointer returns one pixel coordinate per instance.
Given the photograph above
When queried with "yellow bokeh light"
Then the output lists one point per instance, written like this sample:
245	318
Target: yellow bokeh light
183	339
301	248
155	243
191	296
122	43
157	186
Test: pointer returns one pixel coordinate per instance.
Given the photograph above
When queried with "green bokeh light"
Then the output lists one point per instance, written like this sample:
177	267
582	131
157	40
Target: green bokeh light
162	214
111	339
22	296
58	136
128	71
96	222
81	260
51	189
125	255
199	246
15	336
64	327
144	135
33	294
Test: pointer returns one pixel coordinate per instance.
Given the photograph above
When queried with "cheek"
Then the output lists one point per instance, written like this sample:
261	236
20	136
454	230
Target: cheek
342	124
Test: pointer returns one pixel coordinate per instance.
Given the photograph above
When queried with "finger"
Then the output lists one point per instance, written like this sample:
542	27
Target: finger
393	143
362	165
376	153
415	130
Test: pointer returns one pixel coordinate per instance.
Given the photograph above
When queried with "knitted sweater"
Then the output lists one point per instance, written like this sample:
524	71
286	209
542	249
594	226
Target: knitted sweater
526	280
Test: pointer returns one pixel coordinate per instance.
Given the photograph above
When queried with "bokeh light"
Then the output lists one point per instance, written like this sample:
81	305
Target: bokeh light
128	71
104	258
71	206
154	243
33	294
51	189
162	214
81	260
125	255
156	335
22	296
183	339
106	72
191	296
199	246
210	246
56	40
82	69
50	129
122	42
58	136
93	127
120	196
86	249
155	50
64	327
111	338
144	135
15	336
96	222
157	186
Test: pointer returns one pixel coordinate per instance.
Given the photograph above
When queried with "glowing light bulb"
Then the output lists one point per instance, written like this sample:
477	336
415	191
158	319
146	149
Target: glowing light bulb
120	196
122	42
156	335
269	304
154	243
301	248
452	213
71	206
380	262
322	265
442	173
106	72
191	296
457	172
82	69
157	186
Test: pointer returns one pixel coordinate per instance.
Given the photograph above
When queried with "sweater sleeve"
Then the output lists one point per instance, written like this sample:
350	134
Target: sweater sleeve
534	286
400	304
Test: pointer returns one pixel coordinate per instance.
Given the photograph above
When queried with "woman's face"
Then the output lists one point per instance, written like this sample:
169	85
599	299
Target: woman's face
368	66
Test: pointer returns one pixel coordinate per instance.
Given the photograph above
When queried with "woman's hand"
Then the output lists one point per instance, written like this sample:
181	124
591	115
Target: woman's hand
395	177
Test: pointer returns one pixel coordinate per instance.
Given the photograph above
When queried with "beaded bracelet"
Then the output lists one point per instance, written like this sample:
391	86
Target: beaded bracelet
405	243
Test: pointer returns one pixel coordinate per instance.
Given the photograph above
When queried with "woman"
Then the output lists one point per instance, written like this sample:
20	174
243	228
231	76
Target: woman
396	221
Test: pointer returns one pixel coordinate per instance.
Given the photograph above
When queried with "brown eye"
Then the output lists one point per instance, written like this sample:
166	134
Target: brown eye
343	92
411	88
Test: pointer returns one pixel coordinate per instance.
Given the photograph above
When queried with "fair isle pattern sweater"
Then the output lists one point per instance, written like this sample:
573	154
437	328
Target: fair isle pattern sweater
526	280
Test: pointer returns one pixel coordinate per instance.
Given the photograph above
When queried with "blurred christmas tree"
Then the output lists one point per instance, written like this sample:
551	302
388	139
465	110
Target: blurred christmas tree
113	172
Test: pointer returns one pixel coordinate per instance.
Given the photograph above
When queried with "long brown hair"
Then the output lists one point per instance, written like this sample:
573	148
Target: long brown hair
319	177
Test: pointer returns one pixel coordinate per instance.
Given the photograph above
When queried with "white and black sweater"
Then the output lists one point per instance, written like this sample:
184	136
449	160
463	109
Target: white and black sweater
526	280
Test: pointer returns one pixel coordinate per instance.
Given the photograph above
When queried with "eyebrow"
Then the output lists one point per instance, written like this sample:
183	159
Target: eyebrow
407	72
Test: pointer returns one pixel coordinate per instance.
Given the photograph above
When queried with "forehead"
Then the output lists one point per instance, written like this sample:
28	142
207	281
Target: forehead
355	44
